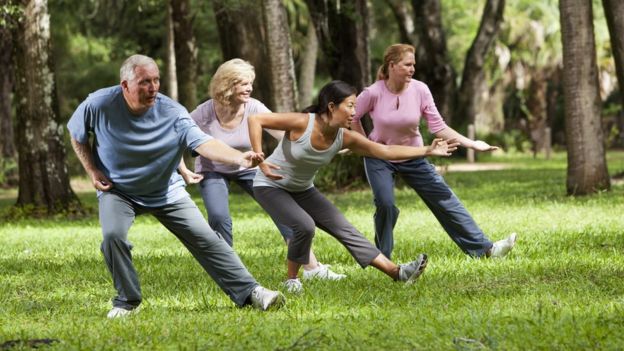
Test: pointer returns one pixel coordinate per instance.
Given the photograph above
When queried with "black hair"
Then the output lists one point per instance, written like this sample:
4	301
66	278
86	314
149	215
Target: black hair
335	91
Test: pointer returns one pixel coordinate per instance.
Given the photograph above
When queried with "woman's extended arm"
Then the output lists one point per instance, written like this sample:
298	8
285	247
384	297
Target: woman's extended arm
362	146
478	145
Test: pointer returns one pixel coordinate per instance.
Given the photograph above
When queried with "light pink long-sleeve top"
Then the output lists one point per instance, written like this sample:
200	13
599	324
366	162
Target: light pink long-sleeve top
396	117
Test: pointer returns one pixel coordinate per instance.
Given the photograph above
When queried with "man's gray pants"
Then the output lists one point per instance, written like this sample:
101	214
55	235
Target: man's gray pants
186	222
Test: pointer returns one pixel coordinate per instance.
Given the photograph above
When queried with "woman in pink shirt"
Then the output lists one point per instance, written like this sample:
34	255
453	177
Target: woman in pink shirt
395	104
224	117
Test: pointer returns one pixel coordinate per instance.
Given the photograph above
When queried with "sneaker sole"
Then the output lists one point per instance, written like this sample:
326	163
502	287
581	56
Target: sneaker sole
423	260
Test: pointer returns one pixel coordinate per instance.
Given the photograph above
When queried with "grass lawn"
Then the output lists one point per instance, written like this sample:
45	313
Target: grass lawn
561	288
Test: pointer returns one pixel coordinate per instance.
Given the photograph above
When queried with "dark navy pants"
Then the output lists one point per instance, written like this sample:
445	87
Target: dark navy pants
421	176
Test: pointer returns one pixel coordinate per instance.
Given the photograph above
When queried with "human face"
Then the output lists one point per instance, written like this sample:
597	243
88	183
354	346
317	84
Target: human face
403	70
242	91
342	115
140	93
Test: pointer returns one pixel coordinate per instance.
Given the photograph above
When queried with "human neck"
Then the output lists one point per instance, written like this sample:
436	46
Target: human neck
136	111
395	86
227	113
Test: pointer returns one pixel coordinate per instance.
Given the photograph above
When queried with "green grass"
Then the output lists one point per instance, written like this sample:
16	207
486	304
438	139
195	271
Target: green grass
561	287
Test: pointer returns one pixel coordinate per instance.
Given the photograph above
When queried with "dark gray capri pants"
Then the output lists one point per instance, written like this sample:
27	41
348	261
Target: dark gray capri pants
306	210
187	223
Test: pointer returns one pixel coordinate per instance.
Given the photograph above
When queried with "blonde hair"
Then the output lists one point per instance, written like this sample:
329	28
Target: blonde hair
126	72
393	54
227	76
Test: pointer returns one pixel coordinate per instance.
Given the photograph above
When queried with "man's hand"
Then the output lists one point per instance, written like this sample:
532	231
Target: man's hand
190	177
267	168
100	181
251	159
441	147
480	145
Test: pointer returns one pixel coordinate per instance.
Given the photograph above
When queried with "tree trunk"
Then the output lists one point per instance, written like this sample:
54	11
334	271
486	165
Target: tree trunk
7	147
280	58
307	71
614	12
43	176
432	64
342	28
472	76
171	81
537	106
587	166
241	32
185	52
405	22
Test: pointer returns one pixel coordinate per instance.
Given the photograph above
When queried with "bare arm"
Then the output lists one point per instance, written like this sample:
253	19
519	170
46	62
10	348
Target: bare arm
362	146
478	145
293	123
85	155
189	176
216	150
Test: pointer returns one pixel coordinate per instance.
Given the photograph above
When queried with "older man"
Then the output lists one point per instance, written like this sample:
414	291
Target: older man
139	136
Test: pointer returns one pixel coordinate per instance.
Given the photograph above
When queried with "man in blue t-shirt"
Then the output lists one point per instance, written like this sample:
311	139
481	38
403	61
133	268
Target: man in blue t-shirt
139	136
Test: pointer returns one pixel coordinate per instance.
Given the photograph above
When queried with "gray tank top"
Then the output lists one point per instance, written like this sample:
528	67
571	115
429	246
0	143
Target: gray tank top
298	161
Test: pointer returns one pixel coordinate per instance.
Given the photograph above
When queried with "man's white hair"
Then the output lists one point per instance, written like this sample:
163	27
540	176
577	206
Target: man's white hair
127	68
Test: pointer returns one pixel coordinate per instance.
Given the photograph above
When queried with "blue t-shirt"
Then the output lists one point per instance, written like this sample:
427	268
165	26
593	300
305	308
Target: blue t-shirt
139	154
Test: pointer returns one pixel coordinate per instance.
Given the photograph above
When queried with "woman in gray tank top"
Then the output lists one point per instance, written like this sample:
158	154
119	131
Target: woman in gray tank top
285	188
224	117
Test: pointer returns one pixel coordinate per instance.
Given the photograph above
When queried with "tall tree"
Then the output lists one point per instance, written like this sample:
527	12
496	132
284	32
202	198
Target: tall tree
7	147
280	58
171	78
307	68
614	12
43	176
185	52
587	166
473	75
342	29
432	63
241	31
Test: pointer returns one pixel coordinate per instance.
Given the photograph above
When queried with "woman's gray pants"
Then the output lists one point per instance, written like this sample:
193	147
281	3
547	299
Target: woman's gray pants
306	210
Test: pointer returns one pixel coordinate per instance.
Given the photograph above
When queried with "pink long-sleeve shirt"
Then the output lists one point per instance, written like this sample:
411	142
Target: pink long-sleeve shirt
396	117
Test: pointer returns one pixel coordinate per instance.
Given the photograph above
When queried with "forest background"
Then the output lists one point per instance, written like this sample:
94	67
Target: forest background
495	64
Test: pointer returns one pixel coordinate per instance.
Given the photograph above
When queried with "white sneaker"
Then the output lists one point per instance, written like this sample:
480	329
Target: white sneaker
263	299
322	272
502	247
119	312
293	286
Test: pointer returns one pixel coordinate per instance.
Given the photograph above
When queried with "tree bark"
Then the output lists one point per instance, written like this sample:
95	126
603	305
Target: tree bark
587	166
307	70
241	31
432	62
185	52
614	12
472	76
342	28
171	81
43	176
404	21
7	147
280	58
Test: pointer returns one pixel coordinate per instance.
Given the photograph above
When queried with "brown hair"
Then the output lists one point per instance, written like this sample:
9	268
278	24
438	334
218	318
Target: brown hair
394	53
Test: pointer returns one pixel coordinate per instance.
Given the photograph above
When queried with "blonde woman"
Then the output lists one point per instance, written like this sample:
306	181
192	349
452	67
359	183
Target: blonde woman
396	103
224	117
